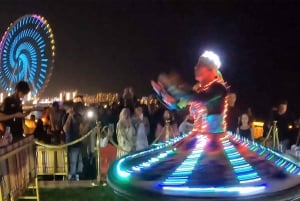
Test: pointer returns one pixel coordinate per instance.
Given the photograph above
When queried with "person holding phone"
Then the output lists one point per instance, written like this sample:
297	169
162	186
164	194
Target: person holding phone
142	127
13	104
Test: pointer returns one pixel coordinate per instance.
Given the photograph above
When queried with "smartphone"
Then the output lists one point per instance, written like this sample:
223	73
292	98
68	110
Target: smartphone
7	130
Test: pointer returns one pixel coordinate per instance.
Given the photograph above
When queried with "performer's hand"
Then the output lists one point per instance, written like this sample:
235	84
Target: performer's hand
174	85
163	96
156	87
172	79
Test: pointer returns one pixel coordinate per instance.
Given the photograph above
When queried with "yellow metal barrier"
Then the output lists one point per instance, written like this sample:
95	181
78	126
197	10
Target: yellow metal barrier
17	169
53	159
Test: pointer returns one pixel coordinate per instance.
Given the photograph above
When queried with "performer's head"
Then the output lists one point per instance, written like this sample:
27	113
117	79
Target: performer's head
206	70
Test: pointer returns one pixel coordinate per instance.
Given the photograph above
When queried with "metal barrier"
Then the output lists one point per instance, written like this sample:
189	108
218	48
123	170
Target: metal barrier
18	170
53	159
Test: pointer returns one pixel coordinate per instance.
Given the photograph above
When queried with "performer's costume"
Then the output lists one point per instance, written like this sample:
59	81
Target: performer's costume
207	163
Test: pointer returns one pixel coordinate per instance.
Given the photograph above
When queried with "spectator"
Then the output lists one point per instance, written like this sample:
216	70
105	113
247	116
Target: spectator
40	133
56	120
108	152
250	115
72	131
46	120
103	116
233	113
166	128
154	115
13	104
125	133
142	127
29	125
284	121
245	129
128	98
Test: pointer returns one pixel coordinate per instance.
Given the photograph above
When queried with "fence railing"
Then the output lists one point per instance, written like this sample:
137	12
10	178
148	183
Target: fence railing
17	169
53	160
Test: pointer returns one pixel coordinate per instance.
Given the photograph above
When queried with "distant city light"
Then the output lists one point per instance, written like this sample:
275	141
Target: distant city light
68	96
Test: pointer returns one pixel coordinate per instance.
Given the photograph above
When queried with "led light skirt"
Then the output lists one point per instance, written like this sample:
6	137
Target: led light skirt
204	167
214	190
183	172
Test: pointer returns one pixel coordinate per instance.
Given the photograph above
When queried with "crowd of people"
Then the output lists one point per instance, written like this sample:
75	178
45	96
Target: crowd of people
132	125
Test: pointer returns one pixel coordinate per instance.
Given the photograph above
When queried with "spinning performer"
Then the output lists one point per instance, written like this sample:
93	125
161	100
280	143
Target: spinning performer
208	162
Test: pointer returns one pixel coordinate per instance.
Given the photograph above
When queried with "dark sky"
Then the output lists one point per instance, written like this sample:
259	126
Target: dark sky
106	45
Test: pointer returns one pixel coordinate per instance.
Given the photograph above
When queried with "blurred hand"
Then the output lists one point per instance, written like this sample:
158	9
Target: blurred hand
4	142
20	115
9	137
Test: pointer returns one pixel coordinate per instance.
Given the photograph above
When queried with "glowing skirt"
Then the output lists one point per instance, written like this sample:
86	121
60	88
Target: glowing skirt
193	166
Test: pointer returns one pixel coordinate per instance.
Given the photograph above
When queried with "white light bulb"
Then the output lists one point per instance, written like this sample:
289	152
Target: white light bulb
213	57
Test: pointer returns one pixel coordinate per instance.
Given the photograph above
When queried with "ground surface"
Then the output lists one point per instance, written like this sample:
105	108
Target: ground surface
78	194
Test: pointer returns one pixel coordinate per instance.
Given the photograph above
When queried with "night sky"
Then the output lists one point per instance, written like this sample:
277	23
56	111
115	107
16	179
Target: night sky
107	45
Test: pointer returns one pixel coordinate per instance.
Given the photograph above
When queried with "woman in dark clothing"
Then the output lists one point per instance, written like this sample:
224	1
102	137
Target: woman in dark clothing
244	129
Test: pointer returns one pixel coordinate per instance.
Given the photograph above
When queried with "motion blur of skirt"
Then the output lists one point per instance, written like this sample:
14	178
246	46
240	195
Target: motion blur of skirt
220	166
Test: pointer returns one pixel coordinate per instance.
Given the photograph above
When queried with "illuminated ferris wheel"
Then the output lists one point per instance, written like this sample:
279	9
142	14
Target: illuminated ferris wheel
27	53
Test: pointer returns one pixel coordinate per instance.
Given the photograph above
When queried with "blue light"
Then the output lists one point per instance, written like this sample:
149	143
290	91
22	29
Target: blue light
121	172
21	53
157	147
279	160
247	190
183	172
243	170
126	172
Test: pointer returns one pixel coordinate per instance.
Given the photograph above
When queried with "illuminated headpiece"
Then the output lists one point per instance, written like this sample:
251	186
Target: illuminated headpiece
209	59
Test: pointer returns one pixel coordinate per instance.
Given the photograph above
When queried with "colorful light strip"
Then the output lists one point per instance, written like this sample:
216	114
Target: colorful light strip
182	173
247	190
122	173
157	147
279	160
225	113
197	111
126	173
153	161
243	170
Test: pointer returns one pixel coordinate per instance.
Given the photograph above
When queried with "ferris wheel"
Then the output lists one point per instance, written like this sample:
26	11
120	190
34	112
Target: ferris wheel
27	53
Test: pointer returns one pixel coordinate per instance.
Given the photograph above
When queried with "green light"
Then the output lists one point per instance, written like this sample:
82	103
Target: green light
120	172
